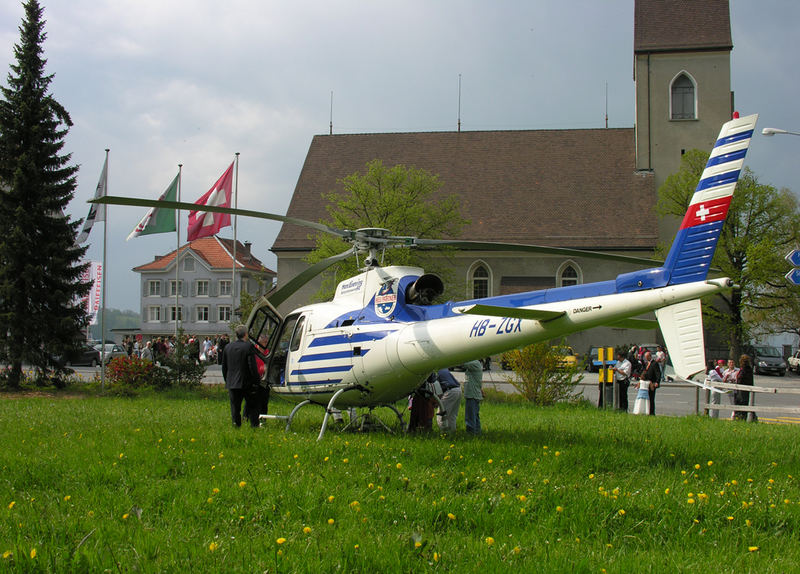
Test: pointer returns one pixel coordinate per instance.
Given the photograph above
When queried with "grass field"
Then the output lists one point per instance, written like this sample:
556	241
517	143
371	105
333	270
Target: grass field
164	484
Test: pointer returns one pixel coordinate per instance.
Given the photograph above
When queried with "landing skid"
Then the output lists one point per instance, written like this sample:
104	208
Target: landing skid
362	423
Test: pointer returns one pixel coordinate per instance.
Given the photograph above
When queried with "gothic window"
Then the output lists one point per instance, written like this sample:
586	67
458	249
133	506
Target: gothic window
480	282
682	98
569	274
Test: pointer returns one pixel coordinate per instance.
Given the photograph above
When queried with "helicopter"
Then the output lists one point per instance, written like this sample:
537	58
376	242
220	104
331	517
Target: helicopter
381	335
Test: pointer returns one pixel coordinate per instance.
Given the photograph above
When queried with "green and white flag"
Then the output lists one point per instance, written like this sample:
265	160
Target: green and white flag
158	220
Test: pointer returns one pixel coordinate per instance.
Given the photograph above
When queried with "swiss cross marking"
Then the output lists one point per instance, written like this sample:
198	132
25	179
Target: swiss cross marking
702	212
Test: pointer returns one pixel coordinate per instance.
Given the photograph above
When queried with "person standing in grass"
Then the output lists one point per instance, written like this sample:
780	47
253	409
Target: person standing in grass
473	395
451	400
241	378
622	374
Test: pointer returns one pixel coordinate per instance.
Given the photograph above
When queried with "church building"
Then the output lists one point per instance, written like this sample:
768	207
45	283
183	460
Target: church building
560	188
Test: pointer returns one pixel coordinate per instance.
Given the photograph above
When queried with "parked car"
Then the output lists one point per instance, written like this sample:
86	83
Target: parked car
112	351
768	360
593	361
794	362
86	356
566	357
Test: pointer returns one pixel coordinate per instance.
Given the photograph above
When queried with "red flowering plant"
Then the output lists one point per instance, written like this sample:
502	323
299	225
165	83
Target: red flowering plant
127	374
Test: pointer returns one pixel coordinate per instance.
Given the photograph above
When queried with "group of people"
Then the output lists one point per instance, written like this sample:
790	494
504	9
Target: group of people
206	350
442	385
644	370
730	373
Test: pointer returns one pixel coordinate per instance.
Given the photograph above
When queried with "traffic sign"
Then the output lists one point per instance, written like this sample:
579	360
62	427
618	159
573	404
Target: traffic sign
793	276
793	257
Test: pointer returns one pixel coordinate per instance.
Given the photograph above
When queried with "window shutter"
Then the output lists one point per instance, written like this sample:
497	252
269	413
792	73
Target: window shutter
212	317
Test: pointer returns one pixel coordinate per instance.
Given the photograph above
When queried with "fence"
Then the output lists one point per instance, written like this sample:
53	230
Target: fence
750	408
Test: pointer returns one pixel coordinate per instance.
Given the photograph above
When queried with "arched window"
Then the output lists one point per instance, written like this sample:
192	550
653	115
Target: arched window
569	274
480	282
682	98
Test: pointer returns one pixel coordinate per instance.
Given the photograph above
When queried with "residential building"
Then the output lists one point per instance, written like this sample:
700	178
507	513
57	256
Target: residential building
203	293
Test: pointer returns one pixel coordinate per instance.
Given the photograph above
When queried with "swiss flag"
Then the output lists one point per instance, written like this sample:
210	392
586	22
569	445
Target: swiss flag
203	223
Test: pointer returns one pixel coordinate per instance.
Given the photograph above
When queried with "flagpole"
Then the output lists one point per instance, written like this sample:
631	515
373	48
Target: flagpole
104	279
235	220
177	253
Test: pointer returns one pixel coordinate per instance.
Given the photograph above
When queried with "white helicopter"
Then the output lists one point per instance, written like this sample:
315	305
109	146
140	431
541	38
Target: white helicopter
380	337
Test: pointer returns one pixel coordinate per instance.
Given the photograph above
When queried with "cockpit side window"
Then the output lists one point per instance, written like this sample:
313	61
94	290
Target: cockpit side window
263	330
298	335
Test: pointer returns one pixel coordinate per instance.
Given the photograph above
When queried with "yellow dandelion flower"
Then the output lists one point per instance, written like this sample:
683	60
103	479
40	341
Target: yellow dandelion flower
734	482
591	476
683	472
730	518
522	498
125	516
697	467
280	540
451	516
67	498
345	460
752	548
399	466
517	550
489	540
690	501
330	498
90	514
509	472
666	491
326	459
435	556
354	504
417	544
621	512
710	462
559	509
33	552
279	552
11	504
122	454
210	500
370	486
213	546
6	554
242	484
331	521
296	456
490	461
787	501
748	522
355	546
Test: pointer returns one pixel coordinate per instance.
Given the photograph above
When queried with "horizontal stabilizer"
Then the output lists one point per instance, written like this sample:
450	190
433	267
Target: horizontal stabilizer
632	323
516	312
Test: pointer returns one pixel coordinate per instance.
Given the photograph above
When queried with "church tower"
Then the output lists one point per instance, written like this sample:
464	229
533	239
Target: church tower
682	73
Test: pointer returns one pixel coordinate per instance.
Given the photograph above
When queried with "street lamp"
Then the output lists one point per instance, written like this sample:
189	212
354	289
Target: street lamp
773	131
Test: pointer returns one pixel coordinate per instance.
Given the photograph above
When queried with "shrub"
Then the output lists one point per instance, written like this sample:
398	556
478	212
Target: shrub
127	374
182	369
541	376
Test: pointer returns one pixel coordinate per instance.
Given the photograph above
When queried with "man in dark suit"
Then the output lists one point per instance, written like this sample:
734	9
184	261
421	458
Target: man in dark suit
241	378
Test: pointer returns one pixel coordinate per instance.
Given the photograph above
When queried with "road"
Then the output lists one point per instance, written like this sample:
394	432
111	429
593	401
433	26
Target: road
672	399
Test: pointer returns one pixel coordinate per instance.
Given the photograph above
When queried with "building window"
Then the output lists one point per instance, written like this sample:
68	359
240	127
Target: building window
202	288
480	282
224	313
202	313
172	291
569	274
682	98
188	264
173	313
154	314
225	288
154	288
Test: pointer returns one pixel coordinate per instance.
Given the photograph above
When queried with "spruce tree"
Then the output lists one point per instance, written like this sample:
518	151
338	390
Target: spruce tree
40	271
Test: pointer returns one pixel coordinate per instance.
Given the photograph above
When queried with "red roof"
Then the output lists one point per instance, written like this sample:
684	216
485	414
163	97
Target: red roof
216	252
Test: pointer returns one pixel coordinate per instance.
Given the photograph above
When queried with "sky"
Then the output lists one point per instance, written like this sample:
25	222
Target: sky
194	82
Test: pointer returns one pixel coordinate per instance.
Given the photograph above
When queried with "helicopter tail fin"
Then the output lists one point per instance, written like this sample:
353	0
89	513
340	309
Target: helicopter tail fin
693	248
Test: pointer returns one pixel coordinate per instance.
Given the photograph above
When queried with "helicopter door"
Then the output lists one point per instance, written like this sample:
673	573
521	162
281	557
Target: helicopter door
281	343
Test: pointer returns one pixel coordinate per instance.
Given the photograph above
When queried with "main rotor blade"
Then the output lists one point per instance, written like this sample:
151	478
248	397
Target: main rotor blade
283	293
564	251
186	206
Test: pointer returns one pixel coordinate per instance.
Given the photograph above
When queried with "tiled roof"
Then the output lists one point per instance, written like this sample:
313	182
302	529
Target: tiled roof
566	188
679	25
215	251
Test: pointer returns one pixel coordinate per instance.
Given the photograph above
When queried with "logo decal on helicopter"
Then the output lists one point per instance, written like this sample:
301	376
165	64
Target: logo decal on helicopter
385	299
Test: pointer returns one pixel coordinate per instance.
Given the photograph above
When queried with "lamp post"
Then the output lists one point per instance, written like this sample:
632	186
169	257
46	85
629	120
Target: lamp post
773	131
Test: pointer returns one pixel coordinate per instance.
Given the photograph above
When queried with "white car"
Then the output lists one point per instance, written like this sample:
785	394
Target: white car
112	351
794	362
